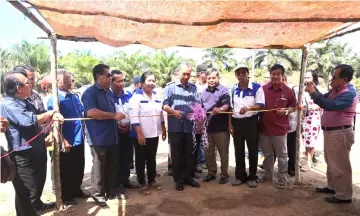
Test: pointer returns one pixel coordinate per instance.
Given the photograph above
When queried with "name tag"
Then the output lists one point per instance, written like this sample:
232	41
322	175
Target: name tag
157	101
143	101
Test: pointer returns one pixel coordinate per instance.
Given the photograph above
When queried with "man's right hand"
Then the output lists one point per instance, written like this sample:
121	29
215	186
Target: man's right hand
119	116
177	114
141	139
231	129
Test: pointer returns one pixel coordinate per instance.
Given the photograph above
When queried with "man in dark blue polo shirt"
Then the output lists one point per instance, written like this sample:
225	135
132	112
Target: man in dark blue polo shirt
102	134
125	148
72	158
177	98
24	124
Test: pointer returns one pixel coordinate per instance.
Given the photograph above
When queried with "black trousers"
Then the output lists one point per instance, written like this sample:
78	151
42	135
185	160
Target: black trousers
246	130
197	151
40	164
146	154
103	173
125	152
72	166
25	183
182	156
291	147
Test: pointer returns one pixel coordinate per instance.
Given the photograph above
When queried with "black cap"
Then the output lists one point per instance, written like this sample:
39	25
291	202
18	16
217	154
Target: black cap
201	68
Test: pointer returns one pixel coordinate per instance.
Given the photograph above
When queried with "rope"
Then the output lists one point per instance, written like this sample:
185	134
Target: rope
30	140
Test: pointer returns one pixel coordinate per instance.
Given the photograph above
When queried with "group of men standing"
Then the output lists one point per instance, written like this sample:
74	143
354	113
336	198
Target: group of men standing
260	115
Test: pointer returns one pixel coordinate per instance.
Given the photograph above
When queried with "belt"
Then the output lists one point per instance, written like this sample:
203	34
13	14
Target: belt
335	128
247	118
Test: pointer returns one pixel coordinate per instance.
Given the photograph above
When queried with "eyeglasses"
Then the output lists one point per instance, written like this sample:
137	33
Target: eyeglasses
108	75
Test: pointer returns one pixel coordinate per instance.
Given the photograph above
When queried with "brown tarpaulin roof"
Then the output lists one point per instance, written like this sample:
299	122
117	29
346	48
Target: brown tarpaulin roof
160	23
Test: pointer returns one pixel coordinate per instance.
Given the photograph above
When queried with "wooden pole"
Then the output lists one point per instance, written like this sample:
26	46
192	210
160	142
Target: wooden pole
305	52
57	144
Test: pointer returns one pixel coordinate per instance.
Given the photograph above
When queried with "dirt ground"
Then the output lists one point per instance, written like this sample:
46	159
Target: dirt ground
211	198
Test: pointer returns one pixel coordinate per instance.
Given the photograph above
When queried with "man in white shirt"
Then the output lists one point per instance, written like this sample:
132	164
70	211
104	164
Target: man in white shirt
247	97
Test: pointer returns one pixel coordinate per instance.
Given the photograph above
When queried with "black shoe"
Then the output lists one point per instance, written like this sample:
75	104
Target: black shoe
291	173
121	194
69	202
46	206
223	180
131	185
82	195
179	187
191	182
196	175
324	190
100	201
335	200
314	160
209	177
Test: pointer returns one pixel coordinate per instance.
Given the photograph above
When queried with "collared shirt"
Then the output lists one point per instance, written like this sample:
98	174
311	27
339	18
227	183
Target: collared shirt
293	115
252	95
122	104
339	106
272	124
216	98
142	105
179	97
70	107
36	100
100	132
23	125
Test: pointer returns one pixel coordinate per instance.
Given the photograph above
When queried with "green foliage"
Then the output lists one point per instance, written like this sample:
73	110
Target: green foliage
81	64
220	58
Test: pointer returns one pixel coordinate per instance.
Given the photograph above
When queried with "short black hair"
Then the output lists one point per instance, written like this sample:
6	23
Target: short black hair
11	83
99	69
145	75
346	71
113	72
276	67
211	70
315	77
24	67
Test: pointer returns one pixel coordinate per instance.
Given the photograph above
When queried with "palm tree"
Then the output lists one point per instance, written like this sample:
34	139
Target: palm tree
5	60
132	65
36	55
163	65
221	58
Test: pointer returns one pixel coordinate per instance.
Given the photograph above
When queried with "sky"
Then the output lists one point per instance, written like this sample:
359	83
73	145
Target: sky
15	27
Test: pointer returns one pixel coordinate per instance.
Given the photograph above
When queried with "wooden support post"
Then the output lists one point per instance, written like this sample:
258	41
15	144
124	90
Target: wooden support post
305	52
57	144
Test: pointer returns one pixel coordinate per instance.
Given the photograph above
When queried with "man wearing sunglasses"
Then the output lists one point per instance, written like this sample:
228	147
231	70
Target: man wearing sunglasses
337	124
102	133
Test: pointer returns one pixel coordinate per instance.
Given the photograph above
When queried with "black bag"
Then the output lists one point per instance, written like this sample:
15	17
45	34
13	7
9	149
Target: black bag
8	168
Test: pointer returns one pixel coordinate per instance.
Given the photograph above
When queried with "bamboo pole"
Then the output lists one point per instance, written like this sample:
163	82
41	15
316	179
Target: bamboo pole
57	144
305	52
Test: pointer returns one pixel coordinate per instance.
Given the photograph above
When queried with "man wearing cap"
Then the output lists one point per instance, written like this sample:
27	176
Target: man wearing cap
247	97
201	86
177	98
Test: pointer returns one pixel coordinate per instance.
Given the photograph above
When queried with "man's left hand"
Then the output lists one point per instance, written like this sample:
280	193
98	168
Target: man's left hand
243	110
124	129
282	111
310	87
58	117
216	110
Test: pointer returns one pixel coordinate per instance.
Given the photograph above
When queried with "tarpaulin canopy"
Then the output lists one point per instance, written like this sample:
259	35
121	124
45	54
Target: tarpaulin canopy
166	23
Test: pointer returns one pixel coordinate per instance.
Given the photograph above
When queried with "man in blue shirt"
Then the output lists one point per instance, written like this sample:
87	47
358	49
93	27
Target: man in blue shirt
177	98
24	125
72	158
125	148
102	134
